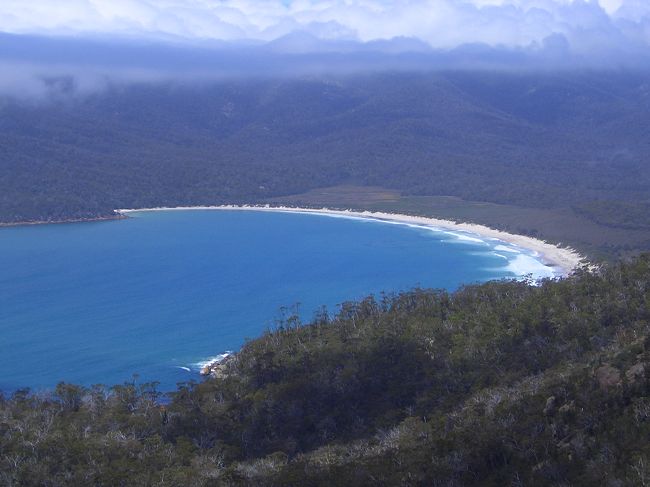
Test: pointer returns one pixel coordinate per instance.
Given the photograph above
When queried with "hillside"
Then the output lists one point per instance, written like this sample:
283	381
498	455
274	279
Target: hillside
496	384
572	141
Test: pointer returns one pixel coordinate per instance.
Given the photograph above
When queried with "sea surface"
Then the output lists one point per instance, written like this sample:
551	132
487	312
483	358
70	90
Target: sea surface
159	293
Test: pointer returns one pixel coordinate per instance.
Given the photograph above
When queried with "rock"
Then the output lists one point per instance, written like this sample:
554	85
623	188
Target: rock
551	404
636	372
219	368
220	371
608	376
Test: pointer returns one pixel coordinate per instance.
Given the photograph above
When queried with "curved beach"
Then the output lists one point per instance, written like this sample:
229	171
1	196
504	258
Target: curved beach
563	259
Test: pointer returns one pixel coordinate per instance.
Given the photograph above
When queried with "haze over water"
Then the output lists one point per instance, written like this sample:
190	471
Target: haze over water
158	293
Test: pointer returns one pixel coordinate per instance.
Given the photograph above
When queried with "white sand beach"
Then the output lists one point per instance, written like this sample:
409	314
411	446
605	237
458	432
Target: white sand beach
563	259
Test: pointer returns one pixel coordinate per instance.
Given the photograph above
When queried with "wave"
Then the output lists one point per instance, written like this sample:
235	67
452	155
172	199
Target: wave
506	248
212	360
518	263
523	265
462	237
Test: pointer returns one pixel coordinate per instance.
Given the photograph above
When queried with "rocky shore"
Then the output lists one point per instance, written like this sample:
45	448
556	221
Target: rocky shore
219	368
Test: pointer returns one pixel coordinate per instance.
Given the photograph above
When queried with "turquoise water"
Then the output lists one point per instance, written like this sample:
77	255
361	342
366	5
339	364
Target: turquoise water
158	293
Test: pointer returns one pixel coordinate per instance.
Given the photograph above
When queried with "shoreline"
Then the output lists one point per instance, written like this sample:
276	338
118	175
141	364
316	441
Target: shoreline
563	260
117	216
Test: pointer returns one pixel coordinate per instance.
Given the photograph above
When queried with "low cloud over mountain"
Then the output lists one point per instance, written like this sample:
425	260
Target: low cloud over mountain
586	24
90	43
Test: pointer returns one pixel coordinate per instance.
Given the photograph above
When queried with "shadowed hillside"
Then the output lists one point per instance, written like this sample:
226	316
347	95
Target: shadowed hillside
496	384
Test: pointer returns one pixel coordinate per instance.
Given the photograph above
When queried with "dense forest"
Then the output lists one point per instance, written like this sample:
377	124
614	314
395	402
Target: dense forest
502	383
569	139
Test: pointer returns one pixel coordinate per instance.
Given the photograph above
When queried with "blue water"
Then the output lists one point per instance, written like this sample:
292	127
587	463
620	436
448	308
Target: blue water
159	292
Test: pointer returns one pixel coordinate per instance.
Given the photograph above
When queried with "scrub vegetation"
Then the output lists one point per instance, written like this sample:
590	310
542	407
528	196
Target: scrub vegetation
502	383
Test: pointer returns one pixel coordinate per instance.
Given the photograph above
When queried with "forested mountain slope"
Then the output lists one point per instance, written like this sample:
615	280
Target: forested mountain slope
568	139
496	384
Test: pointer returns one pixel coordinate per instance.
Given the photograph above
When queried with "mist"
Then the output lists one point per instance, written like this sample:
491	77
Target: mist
40	67
79	47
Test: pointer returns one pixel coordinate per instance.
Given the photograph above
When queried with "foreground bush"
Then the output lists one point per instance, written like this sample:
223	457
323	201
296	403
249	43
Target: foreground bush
496	384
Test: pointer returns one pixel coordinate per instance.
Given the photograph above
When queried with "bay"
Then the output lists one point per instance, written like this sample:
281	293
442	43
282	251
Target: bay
160	292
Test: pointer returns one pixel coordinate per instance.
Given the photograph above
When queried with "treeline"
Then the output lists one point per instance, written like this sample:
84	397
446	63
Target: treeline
502	383
531	139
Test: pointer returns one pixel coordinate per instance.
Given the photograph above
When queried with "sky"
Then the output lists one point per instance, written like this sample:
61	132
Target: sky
585	24
94	43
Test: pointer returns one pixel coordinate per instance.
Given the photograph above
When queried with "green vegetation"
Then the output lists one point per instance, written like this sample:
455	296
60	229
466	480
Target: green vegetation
502	383
573	144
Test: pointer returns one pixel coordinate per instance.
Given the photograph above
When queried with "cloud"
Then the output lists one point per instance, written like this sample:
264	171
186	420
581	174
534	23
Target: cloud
42	82
52	49
586	24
